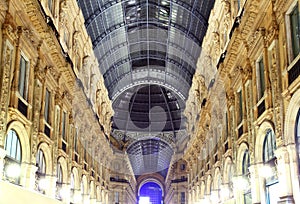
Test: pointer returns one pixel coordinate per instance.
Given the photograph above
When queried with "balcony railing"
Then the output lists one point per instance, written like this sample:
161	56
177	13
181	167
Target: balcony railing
113	179
22	107
294	72
261	108
179	180
47	130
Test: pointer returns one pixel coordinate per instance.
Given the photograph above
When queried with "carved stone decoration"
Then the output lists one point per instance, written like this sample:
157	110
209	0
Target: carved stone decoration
9	29
216	47
36	114
76	35
200	88
63	12
230	97
227	12
276	90
3	9
5	90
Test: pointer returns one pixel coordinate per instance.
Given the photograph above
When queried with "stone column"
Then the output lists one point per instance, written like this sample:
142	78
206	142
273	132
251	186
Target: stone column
2	156
254	179
27	177
261	185
284	176
86	198
51	190
93	201
66	196
294	168
77	197
6	78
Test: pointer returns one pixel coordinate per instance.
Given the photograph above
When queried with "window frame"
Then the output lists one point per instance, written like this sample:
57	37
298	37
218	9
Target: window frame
291	57
246	161
182	197
240	105
14	141
64	126
41	162
269	146
23	79
297	137
47	107
59	174
260	78
117	197
75	141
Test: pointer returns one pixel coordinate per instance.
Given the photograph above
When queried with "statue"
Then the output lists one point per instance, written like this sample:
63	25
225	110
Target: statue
200	91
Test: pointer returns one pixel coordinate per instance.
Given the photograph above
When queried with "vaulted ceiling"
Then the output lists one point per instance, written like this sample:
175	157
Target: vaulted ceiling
147	52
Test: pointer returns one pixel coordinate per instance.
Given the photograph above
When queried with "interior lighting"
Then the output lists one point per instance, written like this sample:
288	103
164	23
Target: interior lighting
224	191
13	171
64	193
43	184
144	200
240	183
77	198
265	171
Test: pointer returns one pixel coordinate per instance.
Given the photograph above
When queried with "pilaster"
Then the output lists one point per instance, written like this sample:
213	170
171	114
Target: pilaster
294	170
86	198
2	156
283	168
66	193
28	175
5	79
254	178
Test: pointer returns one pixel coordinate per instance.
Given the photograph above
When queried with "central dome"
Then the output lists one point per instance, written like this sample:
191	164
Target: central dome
148	108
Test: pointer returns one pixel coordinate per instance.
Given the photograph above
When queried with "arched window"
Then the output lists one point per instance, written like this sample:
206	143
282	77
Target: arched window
269	146
13	158
72	182
245	172
59	174
72	186
41	182
297	137
41	162
13	146
246	163
59	181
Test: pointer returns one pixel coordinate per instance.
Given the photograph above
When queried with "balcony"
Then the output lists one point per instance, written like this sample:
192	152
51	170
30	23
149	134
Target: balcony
184	179
294	72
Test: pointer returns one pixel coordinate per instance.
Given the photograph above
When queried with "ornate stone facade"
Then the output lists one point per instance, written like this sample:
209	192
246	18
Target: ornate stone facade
257	33
246	88
53	97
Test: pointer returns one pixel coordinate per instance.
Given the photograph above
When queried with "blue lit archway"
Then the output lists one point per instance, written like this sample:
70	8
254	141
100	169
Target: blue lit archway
150	192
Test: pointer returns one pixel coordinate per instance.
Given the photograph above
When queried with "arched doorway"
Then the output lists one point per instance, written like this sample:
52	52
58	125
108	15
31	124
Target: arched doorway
150	193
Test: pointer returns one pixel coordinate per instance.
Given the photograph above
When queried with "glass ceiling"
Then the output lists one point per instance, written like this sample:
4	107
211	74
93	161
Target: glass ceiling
155	42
